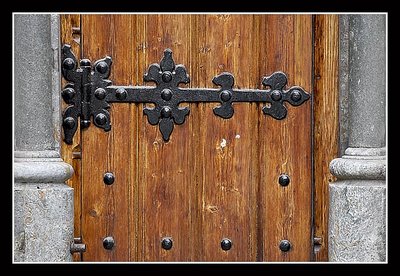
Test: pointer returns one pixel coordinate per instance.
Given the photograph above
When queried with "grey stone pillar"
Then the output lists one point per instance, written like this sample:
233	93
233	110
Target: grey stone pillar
43	203
357	210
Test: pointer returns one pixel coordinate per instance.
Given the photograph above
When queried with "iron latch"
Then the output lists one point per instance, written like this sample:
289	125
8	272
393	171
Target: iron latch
77	246
89	93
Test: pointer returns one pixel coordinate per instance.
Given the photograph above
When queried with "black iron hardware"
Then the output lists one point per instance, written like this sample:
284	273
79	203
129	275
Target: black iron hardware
166	243
108	178
317	244
285	245
89	93
108	243
77	246
284	180
226	244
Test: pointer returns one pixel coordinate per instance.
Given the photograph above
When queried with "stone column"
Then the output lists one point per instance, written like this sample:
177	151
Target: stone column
357	208
43	203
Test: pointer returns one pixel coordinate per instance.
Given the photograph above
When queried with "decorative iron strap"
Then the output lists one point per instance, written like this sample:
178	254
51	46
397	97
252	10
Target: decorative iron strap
89	93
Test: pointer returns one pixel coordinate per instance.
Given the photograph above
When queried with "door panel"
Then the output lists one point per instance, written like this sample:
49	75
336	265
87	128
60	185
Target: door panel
326	121
227	147
165	177
106	209
215	178
285	145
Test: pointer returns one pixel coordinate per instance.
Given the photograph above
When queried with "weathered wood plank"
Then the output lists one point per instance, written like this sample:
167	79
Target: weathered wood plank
133	142
95	44
228	147
285	146
105	208
326	123
165	169
119	149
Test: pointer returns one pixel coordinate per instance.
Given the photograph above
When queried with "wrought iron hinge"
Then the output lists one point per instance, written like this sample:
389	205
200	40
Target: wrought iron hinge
317	242
77	246
89	93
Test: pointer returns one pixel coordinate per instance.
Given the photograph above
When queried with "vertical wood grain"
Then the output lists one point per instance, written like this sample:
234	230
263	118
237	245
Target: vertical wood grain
165	169
134	158
215	178
95	195
197	79
285	146
326	121
228	147
120	152
106	208
71	154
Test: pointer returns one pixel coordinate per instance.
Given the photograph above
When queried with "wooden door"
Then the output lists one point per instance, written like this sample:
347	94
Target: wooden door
215	178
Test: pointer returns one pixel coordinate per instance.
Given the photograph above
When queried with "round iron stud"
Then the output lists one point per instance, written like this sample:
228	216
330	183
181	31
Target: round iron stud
226	95
69	122
68	64
284	245
85	62
166	243
295	95
166	112
108	243
108	178
121	94
102	67
276	95
284	180
166	94
100	93
100	119
85	123
68	93
226	244
167	76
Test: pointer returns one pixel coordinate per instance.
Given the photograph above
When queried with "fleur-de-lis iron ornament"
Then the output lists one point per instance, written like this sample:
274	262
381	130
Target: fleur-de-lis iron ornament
167	76
89	93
